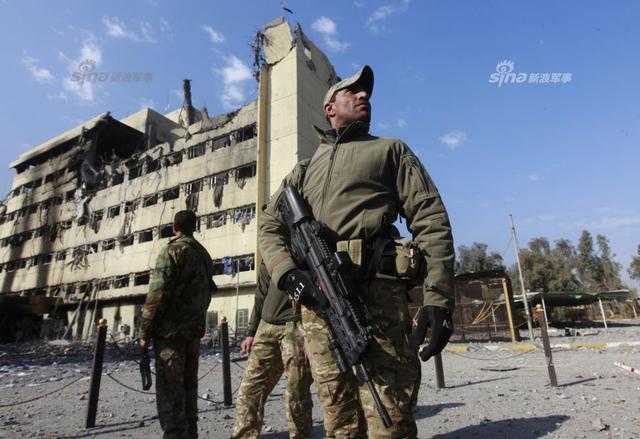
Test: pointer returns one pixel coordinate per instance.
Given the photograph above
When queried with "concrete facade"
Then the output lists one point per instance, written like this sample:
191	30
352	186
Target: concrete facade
90	209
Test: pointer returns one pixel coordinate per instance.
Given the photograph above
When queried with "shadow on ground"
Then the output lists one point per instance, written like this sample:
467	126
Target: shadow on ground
426	411
522	428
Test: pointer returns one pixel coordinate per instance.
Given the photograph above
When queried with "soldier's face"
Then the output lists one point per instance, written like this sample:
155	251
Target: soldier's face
349	105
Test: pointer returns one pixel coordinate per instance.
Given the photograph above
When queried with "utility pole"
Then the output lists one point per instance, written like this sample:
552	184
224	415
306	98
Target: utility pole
525	298
235	333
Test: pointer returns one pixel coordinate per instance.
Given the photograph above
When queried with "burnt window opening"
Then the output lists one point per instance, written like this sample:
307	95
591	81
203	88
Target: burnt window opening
15	192
42	231
55	291
59	174
3	219
121	281
125	241
96	218
81	221
69	195
32	209
34	261
48	178
246	133
195	151
130	206
4	242
166	231
11	216
247	263
247	171
20	213
117	178
45	205
141	278
93	247
216	220
218	267
46	259
219	179
65	225
220	142
194	187
152	165
135	172
172	159
171	194
103	284
113	211
56	201
37	183
149	200
83	288
108	244
61	255
244	214
145	236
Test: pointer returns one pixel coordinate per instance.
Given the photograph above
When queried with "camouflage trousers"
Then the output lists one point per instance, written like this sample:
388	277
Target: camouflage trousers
349	410
177	386
276	349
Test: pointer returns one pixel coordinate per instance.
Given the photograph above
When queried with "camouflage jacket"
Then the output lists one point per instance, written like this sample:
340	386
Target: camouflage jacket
180	290
357	184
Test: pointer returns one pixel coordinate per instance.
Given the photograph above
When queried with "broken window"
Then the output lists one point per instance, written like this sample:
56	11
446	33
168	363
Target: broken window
195	151
246	133
166	231
113	211
33	261
37	183
64	225
59	174
11	216
108	244
93	247
117	178
194	187
145	236
153	165
48	178
125	241
55	290
3	219
15	192
121	281
141	278
218	267
216	220
171	194
46	259
219	179
221	142
130	206
247	171
56	201
246	262
33	209
61	255
4	242
135	172
149	200
69	196
103	284
173	158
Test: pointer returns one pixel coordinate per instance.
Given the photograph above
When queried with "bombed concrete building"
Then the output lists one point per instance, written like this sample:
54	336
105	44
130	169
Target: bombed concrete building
90	209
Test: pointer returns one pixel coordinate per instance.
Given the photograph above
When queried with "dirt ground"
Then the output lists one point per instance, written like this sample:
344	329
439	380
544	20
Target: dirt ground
488	394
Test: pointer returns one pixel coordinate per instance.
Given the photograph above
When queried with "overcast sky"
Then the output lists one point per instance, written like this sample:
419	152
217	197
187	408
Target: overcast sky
559	150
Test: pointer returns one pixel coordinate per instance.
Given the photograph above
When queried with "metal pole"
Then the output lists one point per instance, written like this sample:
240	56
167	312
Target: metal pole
235	332
226	361
96	375
604	317
507	302
544	308
525	298
493	316
553	380
437	361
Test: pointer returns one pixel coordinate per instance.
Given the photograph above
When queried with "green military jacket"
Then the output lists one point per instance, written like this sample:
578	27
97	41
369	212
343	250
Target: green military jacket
357	184
271	304
180	290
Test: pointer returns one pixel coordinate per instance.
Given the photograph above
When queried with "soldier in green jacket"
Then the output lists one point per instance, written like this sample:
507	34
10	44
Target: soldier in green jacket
357	184
276	345
174	317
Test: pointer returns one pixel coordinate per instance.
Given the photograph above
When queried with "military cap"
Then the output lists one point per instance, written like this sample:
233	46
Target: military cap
364	75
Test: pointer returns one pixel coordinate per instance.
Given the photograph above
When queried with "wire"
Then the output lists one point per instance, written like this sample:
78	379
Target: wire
42	396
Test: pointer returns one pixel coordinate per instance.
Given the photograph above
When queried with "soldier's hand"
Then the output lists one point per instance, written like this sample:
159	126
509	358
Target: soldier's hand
246	345
143	345
441	324
301	288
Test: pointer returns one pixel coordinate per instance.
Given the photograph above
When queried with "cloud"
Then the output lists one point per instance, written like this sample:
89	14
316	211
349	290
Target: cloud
233	75
165	28
215	36
397	123
607	223
147	103
117	29
533	177
454	139
60	96
375	22
89	51
40	74
329	31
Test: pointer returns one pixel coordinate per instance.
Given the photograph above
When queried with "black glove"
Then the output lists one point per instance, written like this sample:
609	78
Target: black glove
441	324
301	288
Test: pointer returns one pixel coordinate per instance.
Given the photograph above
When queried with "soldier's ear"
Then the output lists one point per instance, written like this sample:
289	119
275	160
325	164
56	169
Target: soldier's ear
329	110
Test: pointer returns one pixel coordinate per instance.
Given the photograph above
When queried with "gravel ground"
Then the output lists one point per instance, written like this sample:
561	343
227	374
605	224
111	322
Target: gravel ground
487	395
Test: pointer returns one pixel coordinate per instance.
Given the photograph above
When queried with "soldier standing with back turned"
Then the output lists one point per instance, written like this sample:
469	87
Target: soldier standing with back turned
174	316
357	185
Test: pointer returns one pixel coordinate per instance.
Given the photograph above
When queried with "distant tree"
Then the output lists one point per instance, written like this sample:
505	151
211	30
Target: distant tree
589	268
474	259
563	257
537	268
609	269
634	267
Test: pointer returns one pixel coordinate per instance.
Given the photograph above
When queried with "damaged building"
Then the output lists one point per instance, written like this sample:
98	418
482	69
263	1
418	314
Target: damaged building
90	209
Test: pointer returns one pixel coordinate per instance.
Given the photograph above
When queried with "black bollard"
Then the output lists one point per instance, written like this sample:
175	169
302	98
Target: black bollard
96	374
226	362
437	361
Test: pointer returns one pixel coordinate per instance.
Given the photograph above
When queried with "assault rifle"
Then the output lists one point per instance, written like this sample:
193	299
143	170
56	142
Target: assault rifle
145	370
350	328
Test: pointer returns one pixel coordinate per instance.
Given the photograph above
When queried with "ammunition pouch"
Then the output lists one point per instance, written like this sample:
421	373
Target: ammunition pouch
398	258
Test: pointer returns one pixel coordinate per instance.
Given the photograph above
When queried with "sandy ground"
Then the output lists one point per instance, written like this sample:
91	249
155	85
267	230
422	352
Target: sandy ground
488	394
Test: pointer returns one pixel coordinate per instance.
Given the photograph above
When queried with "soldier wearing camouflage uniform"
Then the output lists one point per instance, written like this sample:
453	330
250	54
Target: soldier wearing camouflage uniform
276	345
357	185
174	317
